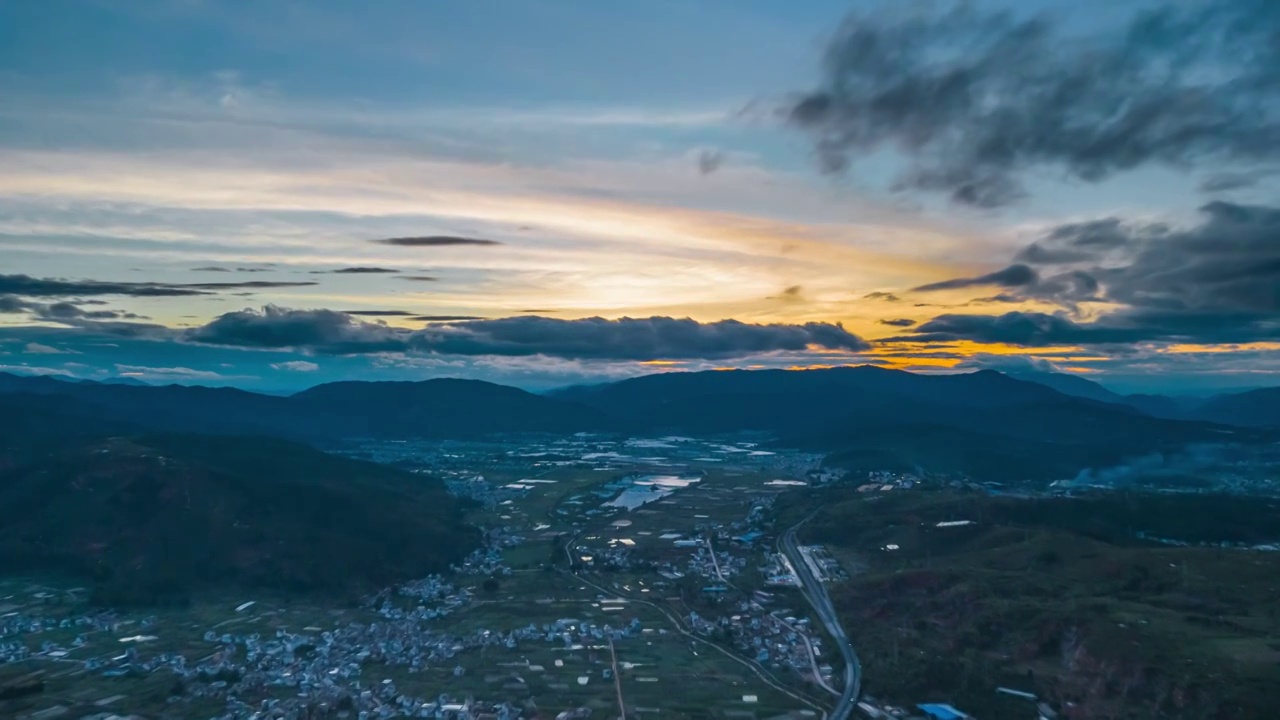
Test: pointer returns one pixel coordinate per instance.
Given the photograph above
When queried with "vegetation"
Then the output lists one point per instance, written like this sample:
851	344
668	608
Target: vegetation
986	425
155	518
1062	597
988	457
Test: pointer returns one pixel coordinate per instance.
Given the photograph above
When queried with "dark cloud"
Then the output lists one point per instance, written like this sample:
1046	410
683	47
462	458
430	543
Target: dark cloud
885	296
1215	281
1033	329
331	332
435	241
897	322
974	100
362	271
445	318
61	311
418	278
210	268
709	161
1011	364
248	284
635	338
1012	276
54	287
120	329
537	311
1229	262
27	286
1229	181
327	331
69	311
792	292
1016	328
1000	298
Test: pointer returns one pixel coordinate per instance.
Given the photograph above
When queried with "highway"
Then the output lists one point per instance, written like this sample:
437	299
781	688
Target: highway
816	594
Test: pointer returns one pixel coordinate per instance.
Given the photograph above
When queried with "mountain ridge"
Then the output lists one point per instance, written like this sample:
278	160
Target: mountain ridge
832	411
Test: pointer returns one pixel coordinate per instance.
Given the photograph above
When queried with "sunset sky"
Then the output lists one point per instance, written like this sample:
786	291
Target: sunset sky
543	192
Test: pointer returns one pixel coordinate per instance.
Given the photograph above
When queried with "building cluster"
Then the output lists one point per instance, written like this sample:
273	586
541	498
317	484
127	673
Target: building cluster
486	561
719	565
772	639
778	571
821	564
15	624
884	481
325	669
433	589
487	494
315	673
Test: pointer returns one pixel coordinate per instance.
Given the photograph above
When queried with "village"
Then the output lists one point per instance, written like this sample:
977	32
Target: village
595	552
609	572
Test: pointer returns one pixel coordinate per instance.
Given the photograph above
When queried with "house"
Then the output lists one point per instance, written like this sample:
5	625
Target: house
939	711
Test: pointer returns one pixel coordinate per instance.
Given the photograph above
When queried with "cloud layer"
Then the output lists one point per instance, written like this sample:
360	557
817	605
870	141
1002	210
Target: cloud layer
655	338
1012	276
435	241
54	287
974	100
1217	281
28	286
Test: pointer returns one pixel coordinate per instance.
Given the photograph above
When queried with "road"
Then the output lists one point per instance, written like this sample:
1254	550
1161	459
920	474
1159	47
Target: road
816	594
808	646
617	681
760	672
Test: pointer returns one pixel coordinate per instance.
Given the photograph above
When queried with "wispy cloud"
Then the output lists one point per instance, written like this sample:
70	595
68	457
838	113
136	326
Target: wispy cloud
174	374
295	366
588	254
34	348
435	241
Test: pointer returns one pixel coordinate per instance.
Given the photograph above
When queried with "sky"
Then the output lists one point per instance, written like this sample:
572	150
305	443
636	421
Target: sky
544	192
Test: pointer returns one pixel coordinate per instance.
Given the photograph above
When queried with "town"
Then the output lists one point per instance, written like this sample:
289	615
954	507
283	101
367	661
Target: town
611	571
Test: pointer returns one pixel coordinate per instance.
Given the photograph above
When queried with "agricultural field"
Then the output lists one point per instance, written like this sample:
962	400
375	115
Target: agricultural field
660	619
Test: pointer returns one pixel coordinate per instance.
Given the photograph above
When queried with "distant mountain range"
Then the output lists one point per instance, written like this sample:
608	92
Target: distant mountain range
1028	425
986	424
788	403
1252	408
443	408
224	496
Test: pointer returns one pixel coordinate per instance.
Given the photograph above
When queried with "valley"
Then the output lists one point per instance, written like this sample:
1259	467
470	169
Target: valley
762	572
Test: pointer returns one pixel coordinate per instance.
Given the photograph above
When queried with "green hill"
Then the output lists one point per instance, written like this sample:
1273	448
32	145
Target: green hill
1068	598
156	518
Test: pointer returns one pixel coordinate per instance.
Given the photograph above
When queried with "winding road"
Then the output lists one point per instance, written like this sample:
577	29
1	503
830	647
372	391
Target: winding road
816	594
